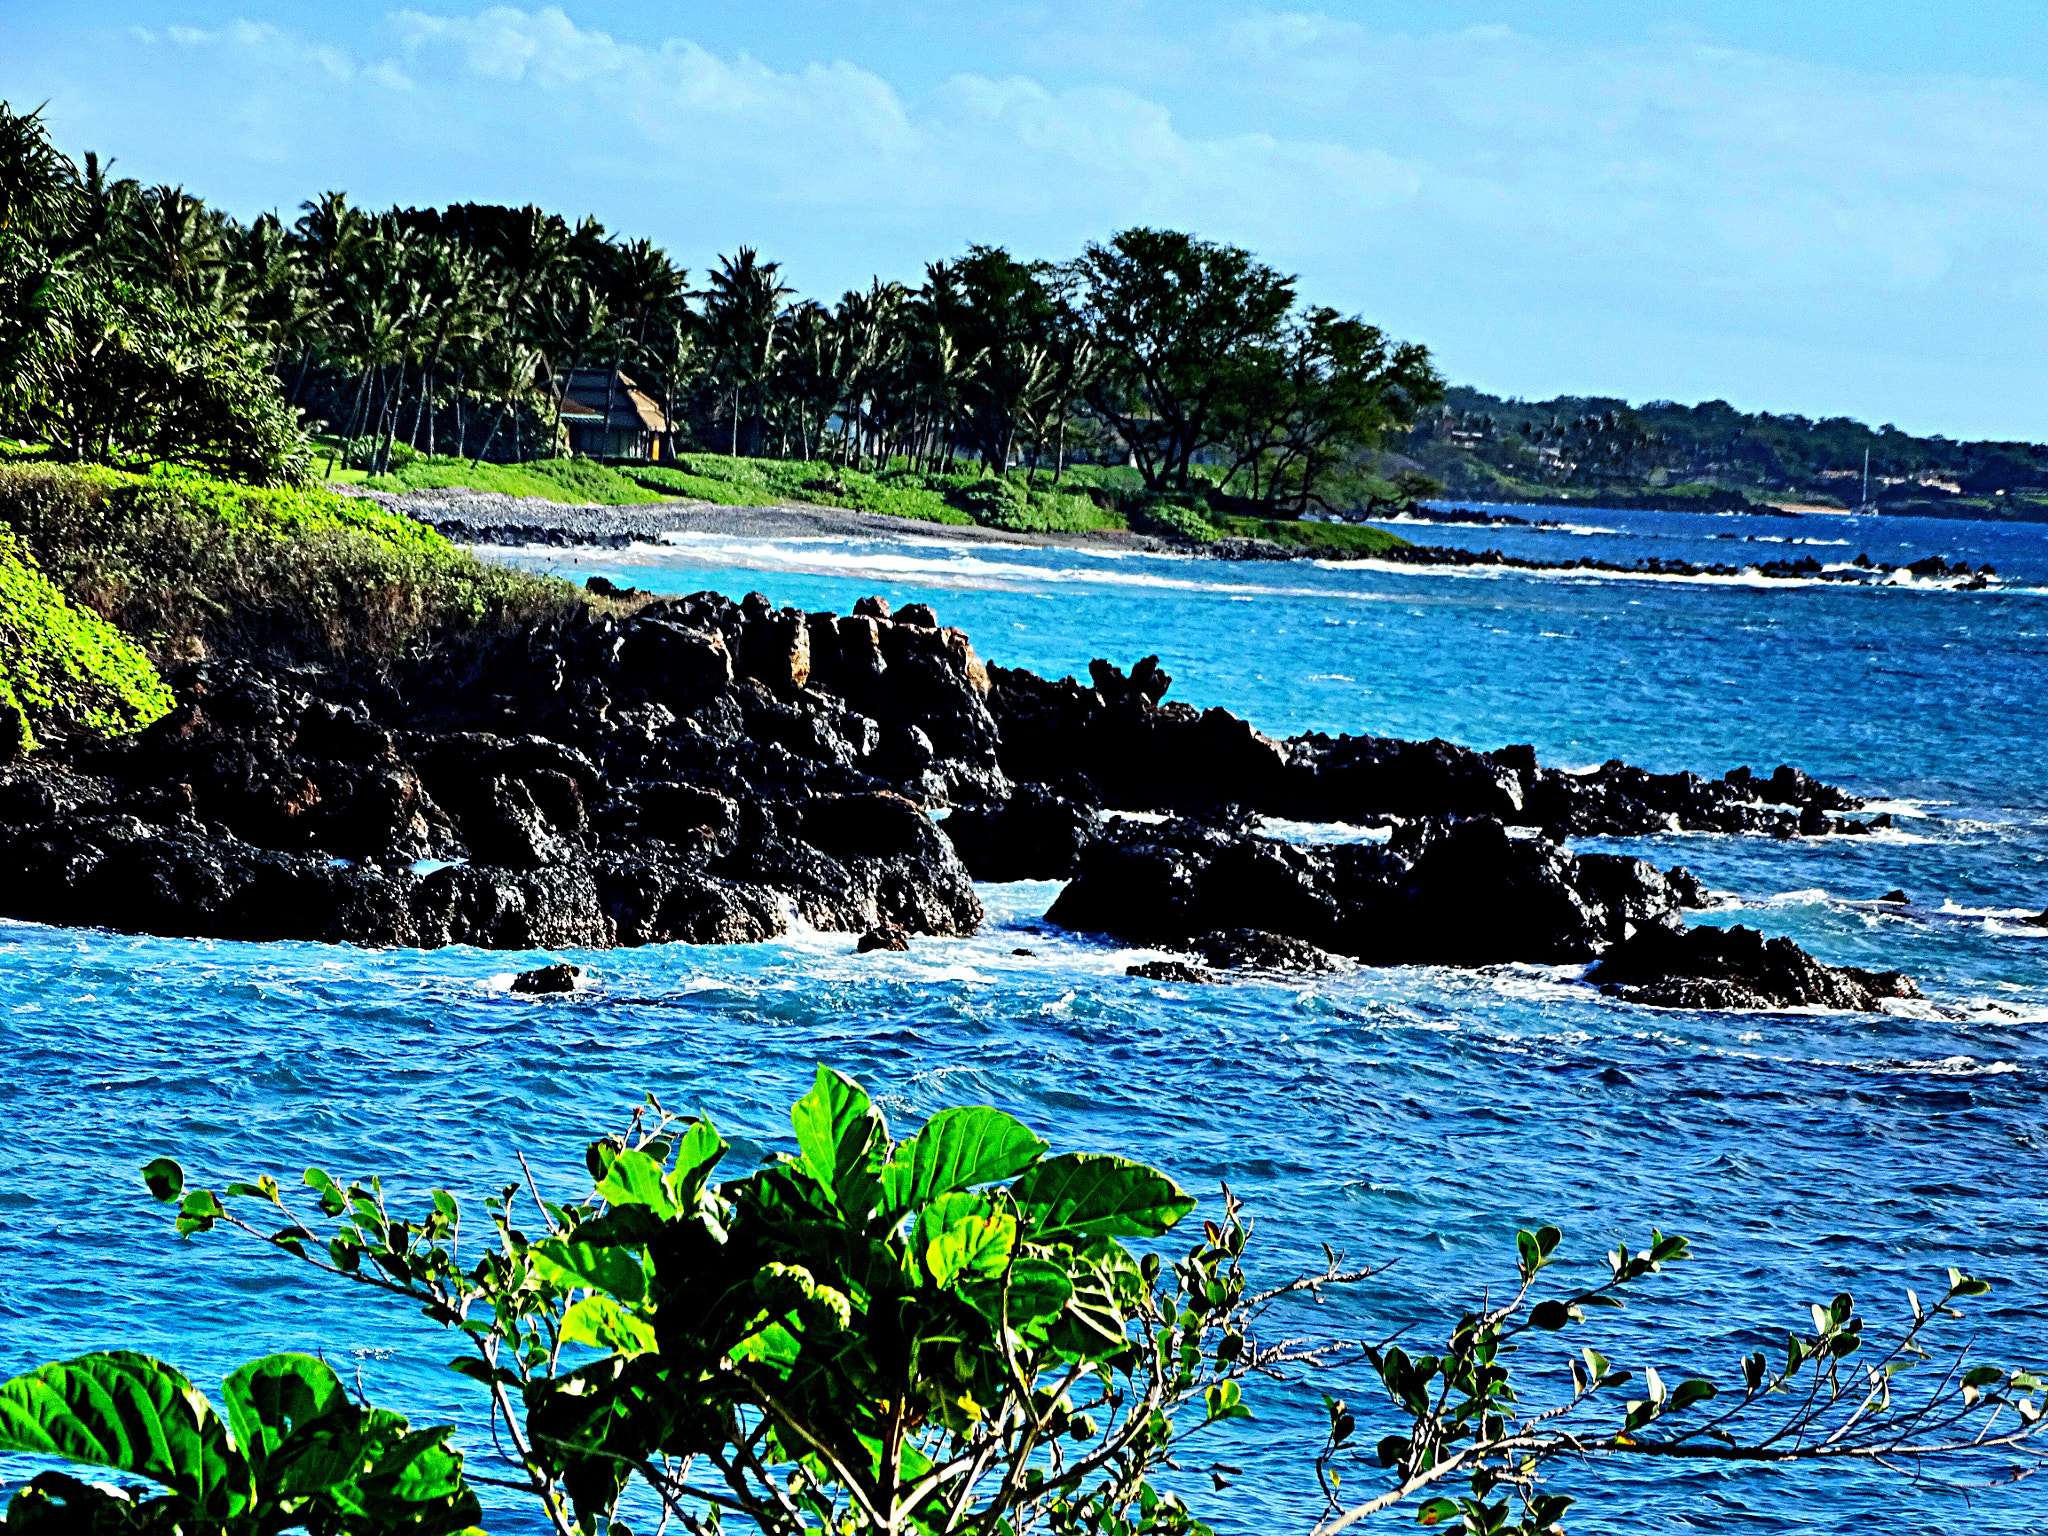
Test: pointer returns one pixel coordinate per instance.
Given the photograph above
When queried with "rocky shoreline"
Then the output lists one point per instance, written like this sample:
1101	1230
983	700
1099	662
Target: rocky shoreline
491	519
704	771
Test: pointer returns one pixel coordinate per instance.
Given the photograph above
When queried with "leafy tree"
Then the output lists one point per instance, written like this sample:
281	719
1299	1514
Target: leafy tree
1169	312
962	1331
1307	403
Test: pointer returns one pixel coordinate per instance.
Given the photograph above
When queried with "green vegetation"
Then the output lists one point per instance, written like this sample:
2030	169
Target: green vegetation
1008	501
560	479
293	1453
139	327
964	1331
1663	454
63	669
190	566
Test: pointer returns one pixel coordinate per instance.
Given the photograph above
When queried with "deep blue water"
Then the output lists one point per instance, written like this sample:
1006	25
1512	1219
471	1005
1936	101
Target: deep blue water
1412	1114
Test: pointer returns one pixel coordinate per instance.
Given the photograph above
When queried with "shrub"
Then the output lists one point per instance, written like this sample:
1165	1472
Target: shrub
964	1332
1173	517
192	566
115	373
293	1453
63	669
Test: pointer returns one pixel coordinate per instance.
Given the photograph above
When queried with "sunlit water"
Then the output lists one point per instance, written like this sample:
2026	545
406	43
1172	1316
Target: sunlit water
1418	1115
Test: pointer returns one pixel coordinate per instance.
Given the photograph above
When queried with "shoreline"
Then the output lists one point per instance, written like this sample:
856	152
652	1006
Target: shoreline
487	519
491	518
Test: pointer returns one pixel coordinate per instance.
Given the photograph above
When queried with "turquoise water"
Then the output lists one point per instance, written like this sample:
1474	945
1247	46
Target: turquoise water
1416	1115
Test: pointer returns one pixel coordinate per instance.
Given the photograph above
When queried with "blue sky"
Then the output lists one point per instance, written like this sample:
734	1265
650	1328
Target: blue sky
1827	208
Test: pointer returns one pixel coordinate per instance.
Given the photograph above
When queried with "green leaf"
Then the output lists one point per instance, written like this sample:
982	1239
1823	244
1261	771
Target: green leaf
412	1481
1039	1292
971	1240
956	1150
1550	1315
1225	1400
267	1399
842	1140
700	1152
634	1178
332	1201
618	1272
200	1209
603	1324
166	1180
1079	1196
136	1415
1696	1389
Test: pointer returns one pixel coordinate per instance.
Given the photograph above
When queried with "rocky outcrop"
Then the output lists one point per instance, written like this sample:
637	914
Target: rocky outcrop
1140	752
1443	892
1038	833
704	771
700	770
1737	968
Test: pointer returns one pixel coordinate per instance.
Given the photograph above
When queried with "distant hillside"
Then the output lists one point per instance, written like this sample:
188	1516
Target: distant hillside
1580	448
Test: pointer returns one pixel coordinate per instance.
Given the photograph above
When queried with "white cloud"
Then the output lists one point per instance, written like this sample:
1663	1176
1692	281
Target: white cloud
1648	214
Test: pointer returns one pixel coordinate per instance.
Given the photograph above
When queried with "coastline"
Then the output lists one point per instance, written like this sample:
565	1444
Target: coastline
485	519
490	518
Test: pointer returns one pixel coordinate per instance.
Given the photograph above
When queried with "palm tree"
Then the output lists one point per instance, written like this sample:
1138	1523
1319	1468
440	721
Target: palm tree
743	314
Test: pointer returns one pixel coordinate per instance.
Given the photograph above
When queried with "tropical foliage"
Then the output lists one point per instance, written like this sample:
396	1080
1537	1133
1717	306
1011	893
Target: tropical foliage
139	326
965	1331
293	1453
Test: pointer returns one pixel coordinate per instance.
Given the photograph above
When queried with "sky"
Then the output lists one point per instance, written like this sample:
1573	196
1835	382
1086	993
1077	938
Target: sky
1827	208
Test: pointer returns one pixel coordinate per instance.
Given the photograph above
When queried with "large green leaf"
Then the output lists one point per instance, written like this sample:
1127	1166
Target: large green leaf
602	1323
971	1241
134	1414
270	1398
616	1271
1080	1196
956	1150
701	1149
412	1482
634	1178
1038	1291
842	1140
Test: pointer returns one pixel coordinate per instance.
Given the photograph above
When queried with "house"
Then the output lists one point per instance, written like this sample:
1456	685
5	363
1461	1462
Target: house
635	427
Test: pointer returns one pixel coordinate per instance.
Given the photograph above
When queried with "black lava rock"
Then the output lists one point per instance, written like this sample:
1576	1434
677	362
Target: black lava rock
546	979
1737	968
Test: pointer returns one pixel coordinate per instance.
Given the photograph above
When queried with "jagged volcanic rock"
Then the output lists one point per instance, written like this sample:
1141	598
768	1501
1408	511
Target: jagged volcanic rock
1737	968
1142	753
1446	893
681	773
706	771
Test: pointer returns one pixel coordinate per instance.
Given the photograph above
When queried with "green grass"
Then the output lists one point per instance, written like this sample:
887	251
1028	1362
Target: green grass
189	567
1349	537
571	480
780	482
63	668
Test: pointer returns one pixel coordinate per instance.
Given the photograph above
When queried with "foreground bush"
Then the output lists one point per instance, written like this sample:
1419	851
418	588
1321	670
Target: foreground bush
190	566
964	1331
293	1453
63	669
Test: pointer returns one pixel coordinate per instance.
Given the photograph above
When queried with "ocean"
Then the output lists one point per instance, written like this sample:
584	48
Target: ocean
1412	1115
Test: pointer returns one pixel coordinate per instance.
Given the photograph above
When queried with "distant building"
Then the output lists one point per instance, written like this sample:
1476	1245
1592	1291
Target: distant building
634	428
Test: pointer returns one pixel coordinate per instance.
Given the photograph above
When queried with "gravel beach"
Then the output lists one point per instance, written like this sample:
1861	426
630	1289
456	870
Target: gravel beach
490	517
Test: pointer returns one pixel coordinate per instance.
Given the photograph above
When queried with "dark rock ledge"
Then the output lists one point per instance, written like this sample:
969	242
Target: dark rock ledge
706	771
